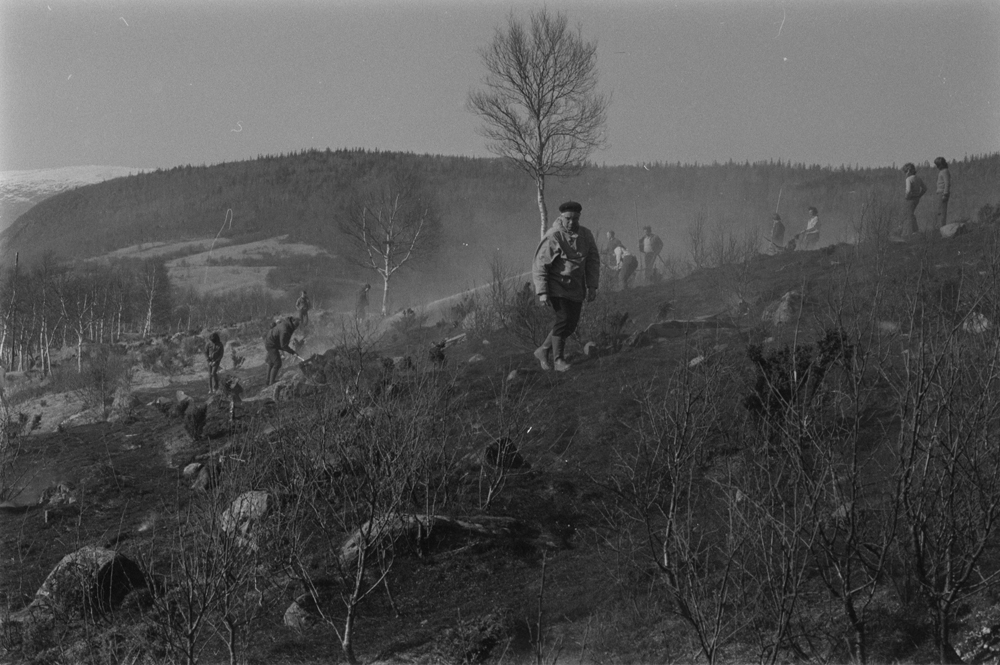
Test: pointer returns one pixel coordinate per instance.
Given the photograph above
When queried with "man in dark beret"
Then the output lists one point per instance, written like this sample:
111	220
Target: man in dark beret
566	271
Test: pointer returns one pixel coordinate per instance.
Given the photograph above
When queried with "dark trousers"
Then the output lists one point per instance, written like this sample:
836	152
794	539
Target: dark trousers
649	264
629	265
567	316
910	217
942	215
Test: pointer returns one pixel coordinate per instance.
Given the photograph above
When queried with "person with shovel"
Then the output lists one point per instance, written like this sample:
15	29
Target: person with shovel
277	340
214	352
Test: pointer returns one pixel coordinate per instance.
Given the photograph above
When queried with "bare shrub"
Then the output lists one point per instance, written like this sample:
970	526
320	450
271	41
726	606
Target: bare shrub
665	518
877	217
359	479
107	373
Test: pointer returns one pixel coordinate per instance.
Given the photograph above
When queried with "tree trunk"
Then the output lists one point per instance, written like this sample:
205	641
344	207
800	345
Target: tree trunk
542	210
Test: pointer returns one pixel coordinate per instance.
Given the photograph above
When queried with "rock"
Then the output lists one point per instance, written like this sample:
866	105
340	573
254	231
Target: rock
302	613
192	469
503	454
123	404
476	358
446	532
244	515
177	444
976	323
57	495
90	581
402	362
290	386
888	326
954	229
205	478
784	310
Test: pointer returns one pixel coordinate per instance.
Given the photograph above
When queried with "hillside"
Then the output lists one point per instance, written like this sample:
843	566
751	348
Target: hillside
776	459
20	190
485	206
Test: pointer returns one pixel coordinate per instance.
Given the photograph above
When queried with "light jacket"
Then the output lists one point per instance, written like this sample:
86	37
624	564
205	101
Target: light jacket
620	255
566	263
655	245
944	182
915	187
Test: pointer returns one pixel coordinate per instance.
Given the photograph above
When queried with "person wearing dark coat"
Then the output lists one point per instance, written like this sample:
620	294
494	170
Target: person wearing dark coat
303	305
777	234
214	352
566	271
915	188
277	340
361	305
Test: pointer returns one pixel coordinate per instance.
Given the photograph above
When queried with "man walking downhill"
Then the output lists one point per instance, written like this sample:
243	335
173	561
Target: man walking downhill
277	340
303	305
650	246
566	271
943	190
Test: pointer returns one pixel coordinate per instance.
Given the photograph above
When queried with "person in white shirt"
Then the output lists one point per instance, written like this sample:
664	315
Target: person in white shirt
650	247
943	190
625	264
810	237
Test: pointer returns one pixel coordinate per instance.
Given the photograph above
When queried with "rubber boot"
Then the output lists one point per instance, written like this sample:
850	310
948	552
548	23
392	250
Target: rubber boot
542	353
558	343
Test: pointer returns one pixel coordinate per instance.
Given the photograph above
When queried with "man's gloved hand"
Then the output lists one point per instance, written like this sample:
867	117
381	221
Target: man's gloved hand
591	295
543	299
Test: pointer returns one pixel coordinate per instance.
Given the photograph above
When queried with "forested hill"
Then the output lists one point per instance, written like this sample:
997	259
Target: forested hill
484	204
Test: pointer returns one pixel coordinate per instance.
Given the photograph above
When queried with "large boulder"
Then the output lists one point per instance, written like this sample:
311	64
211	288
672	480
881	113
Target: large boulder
243	517
302	613
87	583
784	310
954	229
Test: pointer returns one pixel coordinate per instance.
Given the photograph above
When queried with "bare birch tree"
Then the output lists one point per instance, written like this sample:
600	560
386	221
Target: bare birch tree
389	225
539	107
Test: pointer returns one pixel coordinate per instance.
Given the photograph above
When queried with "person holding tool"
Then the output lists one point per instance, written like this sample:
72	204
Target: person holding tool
214	351
277	340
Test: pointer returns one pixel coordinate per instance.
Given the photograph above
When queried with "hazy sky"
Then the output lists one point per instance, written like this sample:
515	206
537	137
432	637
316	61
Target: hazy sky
161	83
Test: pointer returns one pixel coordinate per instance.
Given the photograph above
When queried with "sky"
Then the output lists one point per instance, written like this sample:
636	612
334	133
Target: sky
163	83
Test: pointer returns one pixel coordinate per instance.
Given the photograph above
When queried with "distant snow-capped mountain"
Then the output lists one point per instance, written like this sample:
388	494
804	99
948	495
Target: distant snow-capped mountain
19	190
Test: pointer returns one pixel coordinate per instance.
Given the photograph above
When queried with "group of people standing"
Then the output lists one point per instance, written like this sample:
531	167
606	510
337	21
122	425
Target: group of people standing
626	263
915	189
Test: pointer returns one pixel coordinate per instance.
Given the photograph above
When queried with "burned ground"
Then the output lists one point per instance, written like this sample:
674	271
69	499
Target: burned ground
551	550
